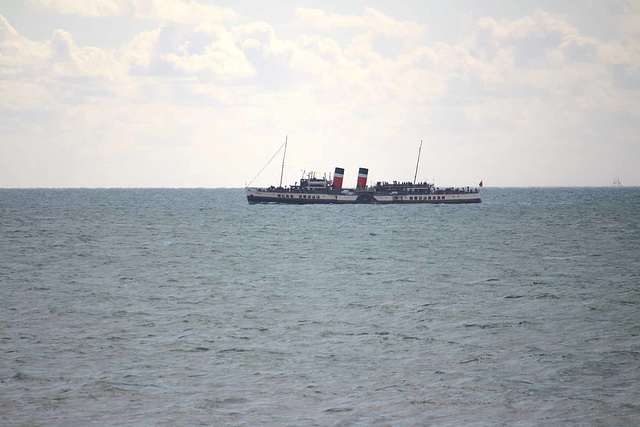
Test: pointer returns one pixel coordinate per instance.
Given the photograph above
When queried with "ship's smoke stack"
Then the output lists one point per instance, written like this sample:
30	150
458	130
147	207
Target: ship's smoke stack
362	177
337	178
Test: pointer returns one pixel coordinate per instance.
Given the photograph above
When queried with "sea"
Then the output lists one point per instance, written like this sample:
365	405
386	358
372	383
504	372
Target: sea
190	307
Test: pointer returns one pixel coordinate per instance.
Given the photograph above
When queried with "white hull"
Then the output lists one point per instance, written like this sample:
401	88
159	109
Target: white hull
260	195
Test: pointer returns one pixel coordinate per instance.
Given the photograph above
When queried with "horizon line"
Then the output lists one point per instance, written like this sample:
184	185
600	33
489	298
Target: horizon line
240	188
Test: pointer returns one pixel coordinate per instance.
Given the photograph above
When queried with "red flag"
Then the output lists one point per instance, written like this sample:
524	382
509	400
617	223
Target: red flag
480	184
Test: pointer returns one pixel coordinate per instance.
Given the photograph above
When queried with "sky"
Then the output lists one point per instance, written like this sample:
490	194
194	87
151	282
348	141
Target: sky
173	93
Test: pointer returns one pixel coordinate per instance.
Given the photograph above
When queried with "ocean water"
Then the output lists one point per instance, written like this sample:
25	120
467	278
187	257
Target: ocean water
191	307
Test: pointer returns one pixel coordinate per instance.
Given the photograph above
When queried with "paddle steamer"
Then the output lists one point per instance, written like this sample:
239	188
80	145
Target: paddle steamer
315	190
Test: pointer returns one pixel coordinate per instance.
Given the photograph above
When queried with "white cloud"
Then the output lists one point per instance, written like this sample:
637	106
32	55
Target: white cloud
18	95
371	20
69	60
141	49
19	55
527	40
177	49
626	16
155	10
191	89
58	69
221	58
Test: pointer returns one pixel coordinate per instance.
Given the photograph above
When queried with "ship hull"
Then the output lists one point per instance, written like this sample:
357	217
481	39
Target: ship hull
257	195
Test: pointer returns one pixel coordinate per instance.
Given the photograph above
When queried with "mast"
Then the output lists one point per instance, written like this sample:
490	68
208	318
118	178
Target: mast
283	157
417	163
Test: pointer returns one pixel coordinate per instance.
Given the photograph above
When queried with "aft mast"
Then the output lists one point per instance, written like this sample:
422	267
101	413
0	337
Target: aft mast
283	157
417	163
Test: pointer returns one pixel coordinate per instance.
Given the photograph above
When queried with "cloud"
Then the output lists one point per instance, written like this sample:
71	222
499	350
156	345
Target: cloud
382	62
371	20
140	51
626	15
18	95
190	87
527	40
154	10
69	60
58	69
19	55
179	49
222	58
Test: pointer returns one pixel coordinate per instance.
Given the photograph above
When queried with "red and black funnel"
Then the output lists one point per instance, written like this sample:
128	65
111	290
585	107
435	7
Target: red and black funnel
362	177
337	178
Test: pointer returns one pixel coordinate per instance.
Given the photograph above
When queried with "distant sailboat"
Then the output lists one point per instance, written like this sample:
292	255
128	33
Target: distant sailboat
616	181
